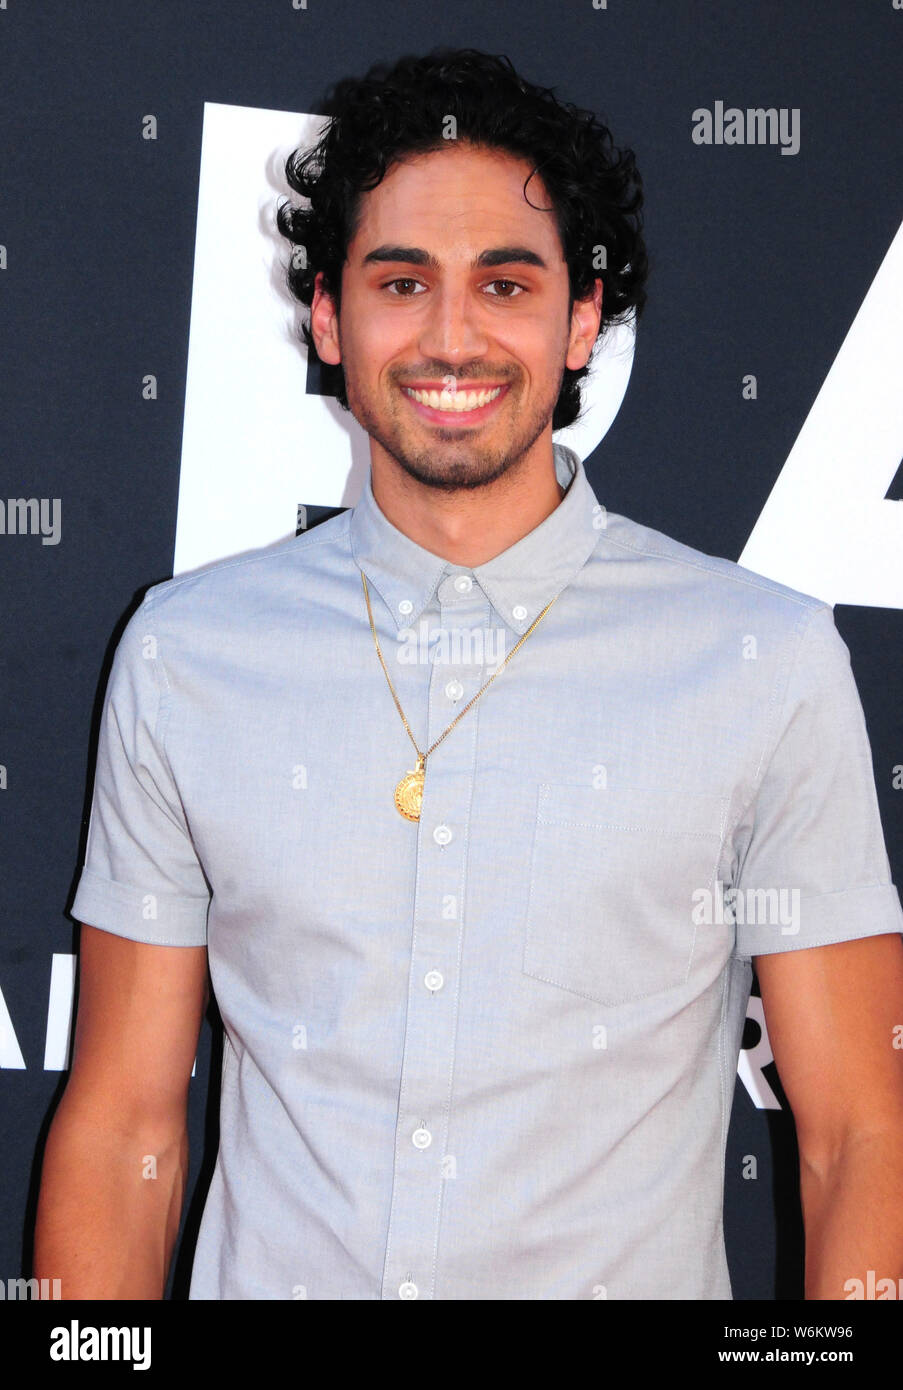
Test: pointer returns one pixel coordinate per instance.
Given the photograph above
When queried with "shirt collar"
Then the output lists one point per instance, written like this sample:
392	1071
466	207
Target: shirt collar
519	582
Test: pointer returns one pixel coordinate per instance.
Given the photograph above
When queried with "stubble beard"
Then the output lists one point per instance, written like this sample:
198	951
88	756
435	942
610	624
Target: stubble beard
456	461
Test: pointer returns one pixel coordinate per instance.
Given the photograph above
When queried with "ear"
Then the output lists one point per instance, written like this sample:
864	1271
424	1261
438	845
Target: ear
586	317
324	324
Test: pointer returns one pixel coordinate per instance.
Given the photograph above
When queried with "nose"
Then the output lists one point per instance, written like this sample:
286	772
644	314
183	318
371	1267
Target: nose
452	331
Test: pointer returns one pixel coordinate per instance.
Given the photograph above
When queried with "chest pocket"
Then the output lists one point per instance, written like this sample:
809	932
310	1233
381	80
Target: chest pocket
612	877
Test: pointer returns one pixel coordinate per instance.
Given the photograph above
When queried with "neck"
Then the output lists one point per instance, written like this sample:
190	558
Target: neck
472	525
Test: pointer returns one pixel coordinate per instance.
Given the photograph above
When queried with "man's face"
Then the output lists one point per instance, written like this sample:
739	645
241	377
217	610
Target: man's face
453	283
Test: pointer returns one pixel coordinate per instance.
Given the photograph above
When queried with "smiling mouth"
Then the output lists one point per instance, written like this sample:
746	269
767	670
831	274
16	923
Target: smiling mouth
454	402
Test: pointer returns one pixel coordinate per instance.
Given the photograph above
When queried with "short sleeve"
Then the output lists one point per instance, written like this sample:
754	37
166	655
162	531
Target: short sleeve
815	867
141	878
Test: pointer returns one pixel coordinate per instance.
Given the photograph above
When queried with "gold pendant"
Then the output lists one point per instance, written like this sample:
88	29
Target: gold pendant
409	792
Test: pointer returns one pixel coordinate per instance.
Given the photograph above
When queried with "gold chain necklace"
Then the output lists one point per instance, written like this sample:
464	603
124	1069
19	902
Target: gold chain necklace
409	792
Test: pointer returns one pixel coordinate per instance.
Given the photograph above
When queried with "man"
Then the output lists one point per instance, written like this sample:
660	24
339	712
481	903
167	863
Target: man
481	801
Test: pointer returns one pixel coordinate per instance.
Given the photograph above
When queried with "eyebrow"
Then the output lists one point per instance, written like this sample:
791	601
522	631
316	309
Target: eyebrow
415	255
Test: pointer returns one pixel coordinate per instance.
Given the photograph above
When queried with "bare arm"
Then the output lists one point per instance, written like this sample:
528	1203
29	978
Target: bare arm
831	1012
116	1161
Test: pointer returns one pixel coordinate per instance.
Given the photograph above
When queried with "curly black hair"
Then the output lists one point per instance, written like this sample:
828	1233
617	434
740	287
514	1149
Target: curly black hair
396	111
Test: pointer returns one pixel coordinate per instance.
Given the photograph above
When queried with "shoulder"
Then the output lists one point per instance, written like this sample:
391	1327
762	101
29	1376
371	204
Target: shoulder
694	584
248	584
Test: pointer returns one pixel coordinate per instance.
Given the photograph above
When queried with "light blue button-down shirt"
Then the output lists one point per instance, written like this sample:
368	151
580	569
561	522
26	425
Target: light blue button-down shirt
490	1054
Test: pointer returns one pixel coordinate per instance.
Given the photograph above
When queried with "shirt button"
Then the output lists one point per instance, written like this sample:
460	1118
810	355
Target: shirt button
519	612
422	1138
463	583
454	690
434	979
407	1290
406	606
442	835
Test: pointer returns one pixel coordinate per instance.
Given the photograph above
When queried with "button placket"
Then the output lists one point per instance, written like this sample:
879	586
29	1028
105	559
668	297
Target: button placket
428	1060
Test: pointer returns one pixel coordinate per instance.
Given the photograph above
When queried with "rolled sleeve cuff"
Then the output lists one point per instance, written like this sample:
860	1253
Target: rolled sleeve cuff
823	919
158	919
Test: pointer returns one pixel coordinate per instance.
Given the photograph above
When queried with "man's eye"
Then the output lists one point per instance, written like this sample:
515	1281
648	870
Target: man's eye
405	281
512	285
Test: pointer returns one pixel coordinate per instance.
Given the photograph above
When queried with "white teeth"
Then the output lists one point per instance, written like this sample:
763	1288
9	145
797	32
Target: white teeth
453	401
